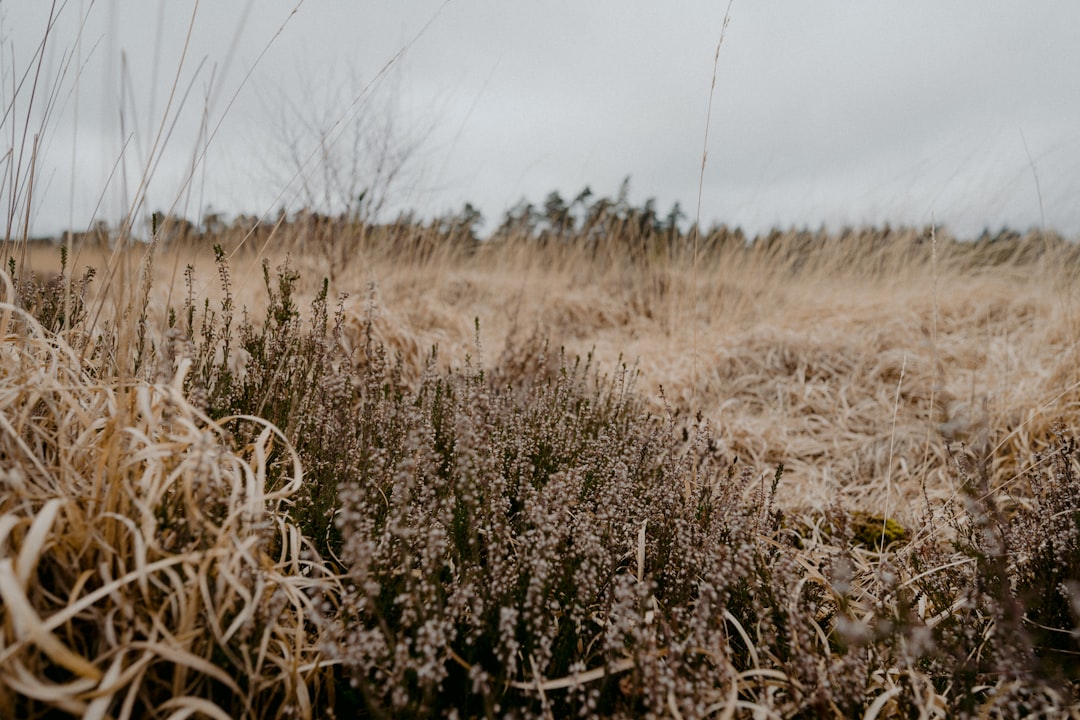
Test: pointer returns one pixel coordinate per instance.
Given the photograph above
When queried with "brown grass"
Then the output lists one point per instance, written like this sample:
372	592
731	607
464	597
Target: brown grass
866	370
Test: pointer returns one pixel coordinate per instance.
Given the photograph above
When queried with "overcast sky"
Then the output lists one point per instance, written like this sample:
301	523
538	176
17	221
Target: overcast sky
825	112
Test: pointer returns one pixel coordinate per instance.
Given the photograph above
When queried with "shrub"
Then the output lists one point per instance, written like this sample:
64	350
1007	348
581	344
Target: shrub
551	549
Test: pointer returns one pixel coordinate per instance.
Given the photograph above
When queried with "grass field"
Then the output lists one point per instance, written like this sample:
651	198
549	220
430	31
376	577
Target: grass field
856	378
864	371
825	475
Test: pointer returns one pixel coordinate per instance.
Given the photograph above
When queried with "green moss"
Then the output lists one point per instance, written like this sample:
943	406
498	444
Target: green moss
875	531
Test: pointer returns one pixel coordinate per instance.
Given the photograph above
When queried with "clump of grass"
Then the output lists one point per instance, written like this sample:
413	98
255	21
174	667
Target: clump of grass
146	568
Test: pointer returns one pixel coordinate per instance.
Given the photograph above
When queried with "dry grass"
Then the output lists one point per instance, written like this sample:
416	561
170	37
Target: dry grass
142	554
863	370
866	372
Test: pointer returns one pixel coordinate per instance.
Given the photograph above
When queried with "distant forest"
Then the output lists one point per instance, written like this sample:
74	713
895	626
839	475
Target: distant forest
598	224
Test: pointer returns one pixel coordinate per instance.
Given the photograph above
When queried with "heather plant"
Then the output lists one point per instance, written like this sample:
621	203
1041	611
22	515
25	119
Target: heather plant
1046	565
477	517
288	371
57	301
1008	632
551	549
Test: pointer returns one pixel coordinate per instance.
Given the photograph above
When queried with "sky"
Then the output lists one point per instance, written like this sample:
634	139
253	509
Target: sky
965	113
